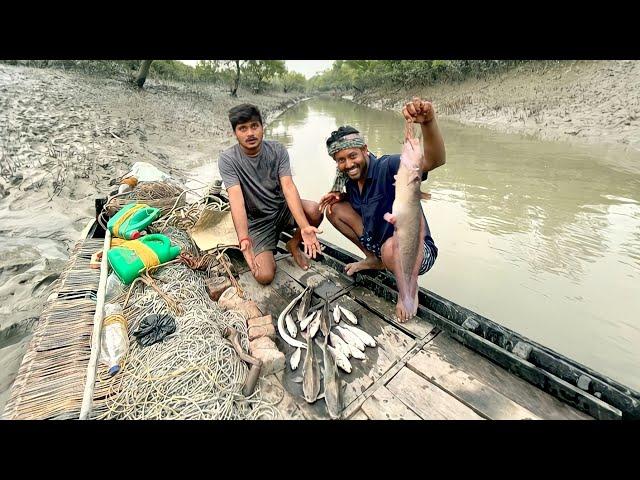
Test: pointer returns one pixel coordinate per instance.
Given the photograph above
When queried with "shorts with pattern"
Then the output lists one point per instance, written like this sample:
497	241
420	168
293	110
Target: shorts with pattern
429	250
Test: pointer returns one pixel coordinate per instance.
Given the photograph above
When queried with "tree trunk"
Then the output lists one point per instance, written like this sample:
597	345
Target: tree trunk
143	72
234	91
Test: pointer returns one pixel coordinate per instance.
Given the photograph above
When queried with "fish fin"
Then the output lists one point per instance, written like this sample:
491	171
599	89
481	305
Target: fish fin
390	217
425	196
297	379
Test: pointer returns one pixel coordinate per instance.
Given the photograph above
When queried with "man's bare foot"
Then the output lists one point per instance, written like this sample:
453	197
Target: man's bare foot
401	314
369	263
297	254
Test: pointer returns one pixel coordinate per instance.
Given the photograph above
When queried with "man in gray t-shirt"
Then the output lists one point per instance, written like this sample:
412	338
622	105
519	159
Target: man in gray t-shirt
264	200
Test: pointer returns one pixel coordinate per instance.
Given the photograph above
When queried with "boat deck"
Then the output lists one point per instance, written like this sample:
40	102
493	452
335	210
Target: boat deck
417	371
436	366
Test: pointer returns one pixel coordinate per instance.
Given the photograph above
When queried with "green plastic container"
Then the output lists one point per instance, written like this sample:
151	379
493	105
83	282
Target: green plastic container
128	265
131	227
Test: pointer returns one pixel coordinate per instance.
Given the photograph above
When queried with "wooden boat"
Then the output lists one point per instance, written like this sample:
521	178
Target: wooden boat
448	363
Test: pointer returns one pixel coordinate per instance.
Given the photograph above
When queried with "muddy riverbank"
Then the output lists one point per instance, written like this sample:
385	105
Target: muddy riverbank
64	137
592	102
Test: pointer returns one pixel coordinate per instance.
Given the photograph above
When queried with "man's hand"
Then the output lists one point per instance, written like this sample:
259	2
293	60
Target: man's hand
418	111
247	250
328	199
310	241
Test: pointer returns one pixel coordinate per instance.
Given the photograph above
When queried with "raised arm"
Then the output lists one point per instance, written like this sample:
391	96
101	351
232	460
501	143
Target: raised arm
291	195
422	112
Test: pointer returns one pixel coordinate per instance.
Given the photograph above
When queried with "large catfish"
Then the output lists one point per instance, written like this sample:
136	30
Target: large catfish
408	220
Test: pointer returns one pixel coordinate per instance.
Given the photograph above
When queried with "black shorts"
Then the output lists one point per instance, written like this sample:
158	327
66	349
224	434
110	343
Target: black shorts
266	232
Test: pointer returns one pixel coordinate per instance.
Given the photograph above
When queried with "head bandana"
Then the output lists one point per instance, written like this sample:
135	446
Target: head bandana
344	137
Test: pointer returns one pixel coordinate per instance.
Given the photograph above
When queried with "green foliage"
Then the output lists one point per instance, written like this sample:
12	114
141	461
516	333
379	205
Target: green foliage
291	82
171	70
360	75
258	73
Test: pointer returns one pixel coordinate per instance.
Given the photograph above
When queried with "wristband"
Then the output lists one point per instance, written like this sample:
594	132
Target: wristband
243	239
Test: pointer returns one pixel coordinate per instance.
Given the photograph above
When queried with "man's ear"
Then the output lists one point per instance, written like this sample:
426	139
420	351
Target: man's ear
365	150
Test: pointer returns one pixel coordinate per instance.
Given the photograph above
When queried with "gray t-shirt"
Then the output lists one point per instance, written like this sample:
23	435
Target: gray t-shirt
259	178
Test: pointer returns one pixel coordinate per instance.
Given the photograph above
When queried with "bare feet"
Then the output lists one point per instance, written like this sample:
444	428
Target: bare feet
369	263
401	312
296	253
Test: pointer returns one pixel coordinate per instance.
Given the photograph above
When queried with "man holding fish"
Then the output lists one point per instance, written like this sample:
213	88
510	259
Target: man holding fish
380	211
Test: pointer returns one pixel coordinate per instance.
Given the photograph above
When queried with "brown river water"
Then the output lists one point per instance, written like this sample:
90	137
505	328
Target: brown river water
541	237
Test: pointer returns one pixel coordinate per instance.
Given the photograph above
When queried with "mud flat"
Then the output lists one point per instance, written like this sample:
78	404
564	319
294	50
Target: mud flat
595	102
64	137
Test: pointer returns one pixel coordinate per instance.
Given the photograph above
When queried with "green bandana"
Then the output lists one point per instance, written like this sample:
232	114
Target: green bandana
350	141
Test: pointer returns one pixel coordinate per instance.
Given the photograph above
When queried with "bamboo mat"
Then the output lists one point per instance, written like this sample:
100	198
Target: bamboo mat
50	381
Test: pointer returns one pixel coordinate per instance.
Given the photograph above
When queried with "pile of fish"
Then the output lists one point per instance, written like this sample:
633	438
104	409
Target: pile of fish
341	342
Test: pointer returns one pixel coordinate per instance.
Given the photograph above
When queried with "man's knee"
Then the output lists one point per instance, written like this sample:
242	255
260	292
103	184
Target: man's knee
267	269
265	277
337	211
313	213
388	252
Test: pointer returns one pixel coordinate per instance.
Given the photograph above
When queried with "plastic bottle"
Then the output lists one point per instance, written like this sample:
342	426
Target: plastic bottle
114	341
124	188
113	288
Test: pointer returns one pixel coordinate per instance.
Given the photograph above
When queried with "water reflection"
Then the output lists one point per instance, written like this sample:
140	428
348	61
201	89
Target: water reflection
542	237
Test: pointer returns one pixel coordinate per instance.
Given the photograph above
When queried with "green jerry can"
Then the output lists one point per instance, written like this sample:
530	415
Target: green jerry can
130	258
131	220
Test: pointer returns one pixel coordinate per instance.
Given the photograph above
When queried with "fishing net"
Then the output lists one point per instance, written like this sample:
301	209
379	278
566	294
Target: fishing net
192	374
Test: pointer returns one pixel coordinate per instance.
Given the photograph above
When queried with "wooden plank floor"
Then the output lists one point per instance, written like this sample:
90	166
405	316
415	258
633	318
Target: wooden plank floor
415	372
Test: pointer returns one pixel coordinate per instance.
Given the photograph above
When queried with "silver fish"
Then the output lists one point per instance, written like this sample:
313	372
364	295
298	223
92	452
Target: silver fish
340	344
291	325
341	360
310	374
281	330
355	352
367	339
304	323
350	337
409	224
305	303
325	318
349	315
314	325
294	361
336	314
332	387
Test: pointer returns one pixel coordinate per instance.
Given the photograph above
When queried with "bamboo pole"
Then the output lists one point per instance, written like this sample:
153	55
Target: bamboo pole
87	399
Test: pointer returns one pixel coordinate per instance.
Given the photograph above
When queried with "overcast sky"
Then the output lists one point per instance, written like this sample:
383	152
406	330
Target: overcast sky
306	67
